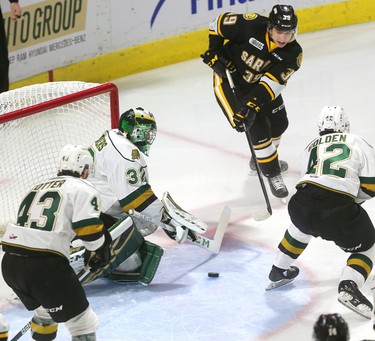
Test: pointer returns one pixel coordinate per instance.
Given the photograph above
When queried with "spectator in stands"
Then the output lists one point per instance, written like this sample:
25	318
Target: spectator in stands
16	14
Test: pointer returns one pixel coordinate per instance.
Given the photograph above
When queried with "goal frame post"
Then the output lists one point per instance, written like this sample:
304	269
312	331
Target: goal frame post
70	98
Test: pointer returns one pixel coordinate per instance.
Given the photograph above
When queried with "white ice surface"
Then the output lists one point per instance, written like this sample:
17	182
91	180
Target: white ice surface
203	163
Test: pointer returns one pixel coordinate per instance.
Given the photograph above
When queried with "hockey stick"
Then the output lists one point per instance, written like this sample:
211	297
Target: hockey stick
263	214
22	331
212	245
77	256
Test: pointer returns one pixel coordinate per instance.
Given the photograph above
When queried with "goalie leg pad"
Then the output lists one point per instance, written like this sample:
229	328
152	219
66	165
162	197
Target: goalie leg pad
122	248
151	255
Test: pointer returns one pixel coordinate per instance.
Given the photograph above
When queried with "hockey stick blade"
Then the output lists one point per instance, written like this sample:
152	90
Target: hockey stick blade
221	229
22	331
261	215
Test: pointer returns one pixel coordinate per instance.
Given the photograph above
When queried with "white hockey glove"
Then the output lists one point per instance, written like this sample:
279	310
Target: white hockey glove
176	231
182	223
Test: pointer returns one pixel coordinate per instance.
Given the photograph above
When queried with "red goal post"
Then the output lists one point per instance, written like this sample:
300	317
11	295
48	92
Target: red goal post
36	122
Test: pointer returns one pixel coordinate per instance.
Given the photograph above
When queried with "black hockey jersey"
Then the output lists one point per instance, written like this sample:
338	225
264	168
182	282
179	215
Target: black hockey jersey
262	67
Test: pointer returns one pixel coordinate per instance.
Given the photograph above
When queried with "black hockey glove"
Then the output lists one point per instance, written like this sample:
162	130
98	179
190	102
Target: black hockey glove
99	258
218	61
245	116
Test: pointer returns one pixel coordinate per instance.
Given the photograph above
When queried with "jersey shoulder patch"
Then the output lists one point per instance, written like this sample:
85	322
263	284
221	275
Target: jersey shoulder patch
250	16
299	60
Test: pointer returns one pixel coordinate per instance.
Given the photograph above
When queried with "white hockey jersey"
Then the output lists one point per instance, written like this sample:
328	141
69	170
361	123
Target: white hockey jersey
120	174
343	163
52	214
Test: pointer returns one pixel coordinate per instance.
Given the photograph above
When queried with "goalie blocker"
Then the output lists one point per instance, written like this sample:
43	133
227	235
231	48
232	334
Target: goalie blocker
126	241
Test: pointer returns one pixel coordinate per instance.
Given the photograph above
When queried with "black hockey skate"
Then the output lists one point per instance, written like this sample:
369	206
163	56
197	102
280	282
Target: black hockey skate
352	298
280	277
253	171
278	187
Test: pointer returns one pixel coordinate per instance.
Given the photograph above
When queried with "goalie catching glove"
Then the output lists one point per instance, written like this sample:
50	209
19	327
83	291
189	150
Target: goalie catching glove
99	258
179	224
218	61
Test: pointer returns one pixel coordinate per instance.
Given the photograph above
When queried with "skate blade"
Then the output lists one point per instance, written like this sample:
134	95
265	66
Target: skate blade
278	284
252	173
360	309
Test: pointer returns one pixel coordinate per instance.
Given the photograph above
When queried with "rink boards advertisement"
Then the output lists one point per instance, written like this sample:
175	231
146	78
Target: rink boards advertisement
53	34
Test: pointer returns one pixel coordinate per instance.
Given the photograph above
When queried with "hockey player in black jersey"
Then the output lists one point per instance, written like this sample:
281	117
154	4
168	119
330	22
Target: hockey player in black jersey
262	54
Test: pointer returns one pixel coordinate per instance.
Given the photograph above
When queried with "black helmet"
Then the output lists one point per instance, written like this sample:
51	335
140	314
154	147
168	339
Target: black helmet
331	327
283	18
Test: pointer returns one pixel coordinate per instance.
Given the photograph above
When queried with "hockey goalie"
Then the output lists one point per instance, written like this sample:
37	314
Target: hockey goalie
130	209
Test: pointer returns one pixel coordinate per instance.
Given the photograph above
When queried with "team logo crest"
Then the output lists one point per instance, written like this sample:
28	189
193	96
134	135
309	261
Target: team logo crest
135	154
250	16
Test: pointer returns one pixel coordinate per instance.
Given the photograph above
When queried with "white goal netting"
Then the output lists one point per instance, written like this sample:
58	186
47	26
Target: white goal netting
36	122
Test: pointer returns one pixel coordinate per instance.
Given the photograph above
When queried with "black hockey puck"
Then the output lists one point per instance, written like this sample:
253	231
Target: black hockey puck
213	274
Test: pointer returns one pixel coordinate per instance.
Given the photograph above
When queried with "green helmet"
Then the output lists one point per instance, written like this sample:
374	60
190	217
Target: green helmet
139	126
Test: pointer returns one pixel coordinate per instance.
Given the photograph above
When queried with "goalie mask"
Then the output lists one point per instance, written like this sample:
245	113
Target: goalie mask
139	126
333	119
331	327
75	159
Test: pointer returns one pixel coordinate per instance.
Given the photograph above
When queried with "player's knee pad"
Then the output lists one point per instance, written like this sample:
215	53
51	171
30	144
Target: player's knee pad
83	325
43	328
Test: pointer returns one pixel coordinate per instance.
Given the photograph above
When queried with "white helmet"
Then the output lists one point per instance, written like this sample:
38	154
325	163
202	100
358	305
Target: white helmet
74	158
333	119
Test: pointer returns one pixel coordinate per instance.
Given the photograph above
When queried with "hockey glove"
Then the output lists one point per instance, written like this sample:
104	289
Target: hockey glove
176	231
218	61
99	258
245	115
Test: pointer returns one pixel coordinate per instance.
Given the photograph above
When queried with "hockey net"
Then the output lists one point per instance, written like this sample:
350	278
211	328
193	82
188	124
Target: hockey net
36	122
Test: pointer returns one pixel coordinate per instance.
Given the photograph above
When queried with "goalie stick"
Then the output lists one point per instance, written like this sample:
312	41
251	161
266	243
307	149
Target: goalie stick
261	214
212	245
